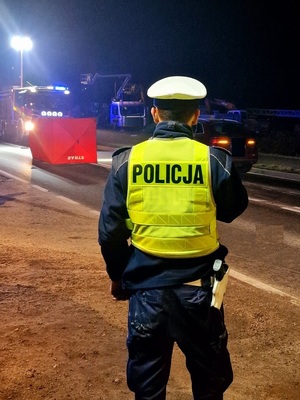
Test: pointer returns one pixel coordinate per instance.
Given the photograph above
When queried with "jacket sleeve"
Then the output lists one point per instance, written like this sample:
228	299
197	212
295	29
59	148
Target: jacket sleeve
230	194
112	231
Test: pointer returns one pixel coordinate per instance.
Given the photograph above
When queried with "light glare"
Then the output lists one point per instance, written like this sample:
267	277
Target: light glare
20	43
29	126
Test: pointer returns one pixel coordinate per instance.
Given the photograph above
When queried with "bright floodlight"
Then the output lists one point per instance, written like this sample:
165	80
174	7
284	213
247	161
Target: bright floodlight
21	43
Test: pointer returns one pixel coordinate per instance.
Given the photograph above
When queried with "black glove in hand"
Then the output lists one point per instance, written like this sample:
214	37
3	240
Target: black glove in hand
118	292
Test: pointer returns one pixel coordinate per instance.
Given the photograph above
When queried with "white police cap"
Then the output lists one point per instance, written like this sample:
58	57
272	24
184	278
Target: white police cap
177	88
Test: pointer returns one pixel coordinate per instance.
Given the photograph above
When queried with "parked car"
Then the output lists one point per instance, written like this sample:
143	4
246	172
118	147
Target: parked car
232	136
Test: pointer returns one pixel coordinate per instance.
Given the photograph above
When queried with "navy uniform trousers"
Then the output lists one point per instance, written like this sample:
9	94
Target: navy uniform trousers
158	318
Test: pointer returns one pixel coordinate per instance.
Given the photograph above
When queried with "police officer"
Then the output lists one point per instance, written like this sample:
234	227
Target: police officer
159	239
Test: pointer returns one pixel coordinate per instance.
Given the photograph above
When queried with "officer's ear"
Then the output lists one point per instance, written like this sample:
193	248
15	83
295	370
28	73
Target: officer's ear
154	114
196	117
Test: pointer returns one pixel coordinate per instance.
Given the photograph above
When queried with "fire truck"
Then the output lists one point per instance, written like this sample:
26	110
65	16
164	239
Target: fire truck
20	106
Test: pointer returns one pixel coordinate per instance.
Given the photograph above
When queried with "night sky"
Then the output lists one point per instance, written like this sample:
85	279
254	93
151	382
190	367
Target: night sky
244	51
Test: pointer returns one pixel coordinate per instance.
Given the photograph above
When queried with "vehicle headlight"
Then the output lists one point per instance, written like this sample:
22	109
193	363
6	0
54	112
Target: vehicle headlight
29	126
51	113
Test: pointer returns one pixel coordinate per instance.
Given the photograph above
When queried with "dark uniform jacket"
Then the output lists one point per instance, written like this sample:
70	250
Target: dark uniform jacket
139	270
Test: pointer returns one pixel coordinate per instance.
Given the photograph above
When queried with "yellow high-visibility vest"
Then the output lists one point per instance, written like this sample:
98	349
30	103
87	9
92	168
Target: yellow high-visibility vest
170	203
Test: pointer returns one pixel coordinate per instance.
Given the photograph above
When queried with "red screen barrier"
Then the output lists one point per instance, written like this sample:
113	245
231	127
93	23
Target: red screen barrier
64	140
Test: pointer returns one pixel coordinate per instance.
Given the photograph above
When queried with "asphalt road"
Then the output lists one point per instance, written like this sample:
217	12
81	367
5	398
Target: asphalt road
264	242
58	317
264	251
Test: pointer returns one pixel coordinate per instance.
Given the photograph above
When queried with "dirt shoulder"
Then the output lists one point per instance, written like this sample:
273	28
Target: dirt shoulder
274	162
63	337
